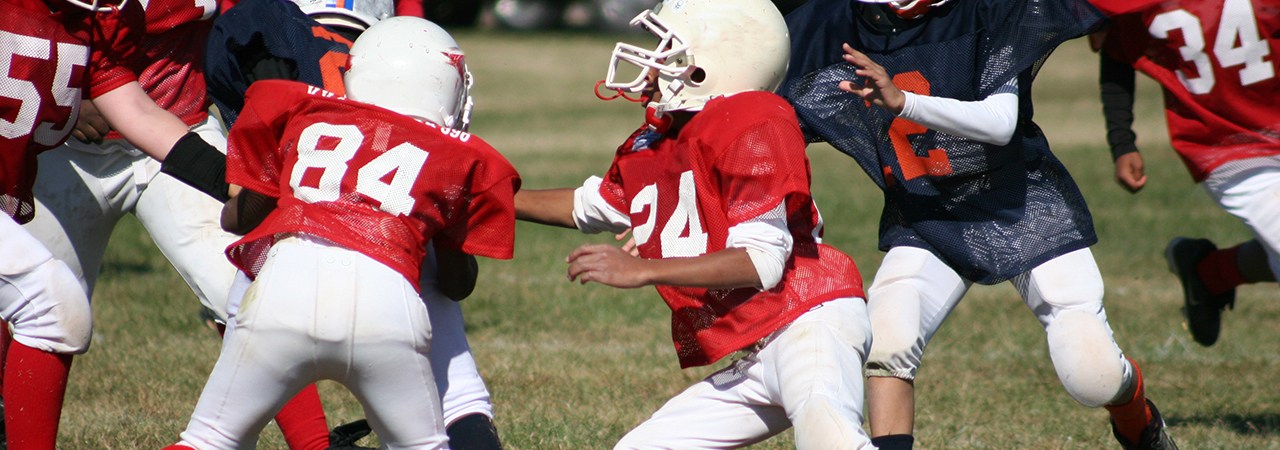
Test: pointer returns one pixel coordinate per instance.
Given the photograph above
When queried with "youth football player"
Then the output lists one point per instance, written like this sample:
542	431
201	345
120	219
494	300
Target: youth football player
715	186
932	98
1216	63
355	188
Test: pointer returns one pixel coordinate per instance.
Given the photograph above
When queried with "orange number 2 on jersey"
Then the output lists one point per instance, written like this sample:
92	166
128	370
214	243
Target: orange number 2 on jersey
332	64
936	162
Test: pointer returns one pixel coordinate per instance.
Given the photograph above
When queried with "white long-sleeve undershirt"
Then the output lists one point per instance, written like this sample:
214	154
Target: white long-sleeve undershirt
766	238
992	120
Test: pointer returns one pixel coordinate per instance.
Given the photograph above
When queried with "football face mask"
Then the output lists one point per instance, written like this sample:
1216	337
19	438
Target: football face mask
669	60
706	49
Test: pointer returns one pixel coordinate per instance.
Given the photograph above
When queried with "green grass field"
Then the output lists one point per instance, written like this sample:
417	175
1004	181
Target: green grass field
574	367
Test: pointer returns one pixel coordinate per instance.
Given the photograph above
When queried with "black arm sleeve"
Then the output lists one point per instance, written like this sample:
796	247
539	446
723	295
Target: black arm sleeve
196	163
1116	81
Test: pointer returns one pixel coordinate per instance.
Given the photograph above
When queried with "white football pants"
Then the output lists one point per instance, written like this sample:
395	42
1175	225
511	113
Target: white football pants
82	191
39	297
462	391
808	375
914	291
318	311
1250	190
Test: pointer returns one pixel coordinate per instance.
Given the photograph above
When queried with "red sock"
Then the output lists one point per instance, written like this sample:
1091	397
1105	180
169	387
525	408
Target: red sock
37	383
302	421
1219	272
1132	417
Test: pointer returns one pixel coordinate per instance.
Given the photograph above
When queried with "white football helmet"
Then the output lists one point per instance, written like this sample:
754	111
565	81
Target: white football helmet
411	66
358	14
910	9
706	49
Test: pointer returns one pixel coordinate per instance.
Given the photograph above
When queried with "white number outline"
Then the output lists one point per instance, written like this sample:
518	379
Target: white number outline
684	217
1236	24
28	95
394	197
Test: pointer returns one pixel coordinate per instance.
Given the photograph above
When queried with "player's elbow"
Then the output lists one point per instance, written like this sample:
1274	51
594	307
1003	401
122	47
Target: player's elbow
1002	136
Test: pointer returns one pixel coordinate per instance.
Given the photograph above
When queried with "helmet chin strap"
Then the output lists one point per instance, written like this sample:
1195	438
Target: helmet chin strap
661	122
618	93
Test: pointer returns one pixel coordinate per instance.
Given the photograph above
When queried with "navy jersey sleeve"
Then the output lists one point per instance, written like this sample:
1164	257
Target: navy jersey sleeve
269	39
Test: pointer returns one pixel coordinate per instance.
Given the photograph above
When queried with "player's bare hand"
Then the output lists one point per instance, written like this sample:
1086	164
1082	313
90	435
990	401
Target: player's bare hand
1097	39
606	264
630	245
91	126
1131	172
877	87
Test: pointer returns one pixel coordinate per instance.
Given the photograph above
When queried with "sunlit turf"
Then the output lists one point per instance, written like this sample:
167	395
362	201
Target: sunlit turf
574	367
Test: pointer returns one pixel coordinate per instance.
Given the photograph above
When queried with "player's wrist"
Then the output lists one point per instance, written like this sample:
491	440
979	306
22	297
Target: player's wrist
196	163
1120	150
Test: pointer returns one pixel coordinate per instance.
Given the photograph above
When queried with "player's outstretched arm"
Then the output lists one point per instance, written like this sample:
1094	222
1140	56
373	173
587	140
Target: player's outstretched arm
546	206
456	273
993	119
146	125
161	135
613	266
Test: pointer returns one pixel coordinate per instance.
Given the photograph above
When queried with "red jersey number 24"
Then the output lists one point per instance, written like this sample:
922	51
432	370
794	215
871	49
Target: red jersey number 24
682	234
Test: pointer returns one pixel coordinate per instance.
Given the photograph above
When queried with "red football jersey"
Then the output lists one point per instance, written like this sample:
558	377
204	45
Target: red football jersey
736	160
46	64
366	179
1217	62
174	53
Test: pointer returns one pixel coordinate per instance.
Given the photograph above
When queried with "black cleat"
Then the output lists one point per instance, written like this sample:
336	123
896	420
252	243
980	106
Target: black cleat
474	431
344	437
1202	310
1153	436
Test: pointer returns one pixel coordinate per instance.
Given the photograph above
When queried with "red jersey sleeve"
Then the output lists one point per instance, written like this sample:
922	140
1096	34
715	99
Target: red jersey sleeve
1115	7
761	160
116	56
487	226
611	185
254	156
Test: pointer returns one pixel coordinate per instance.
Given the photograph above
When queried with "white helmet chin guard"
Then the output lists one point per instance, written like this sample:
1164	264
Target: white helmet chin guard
411	66
358	14
706	49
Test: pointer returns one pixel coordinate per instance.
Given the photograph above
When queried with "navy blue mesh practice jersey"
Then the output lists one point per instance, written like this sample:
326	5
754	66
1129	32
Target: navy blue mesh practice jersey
991	212
269	39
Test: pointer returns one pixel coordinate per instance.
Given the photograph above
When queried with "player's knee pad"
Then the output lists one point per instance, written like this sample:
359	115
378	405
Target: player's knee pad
53	312
1086	357
897	339
822	425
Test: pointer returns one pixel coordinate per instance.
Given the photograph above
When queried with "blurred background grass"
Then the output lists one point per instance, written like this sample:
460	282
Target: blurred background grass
575	367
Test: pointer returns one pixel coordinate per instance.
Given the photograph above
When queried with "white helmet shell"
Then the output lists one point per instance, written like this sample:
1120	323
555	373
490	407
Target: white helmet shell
706	49
358	14
411	66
